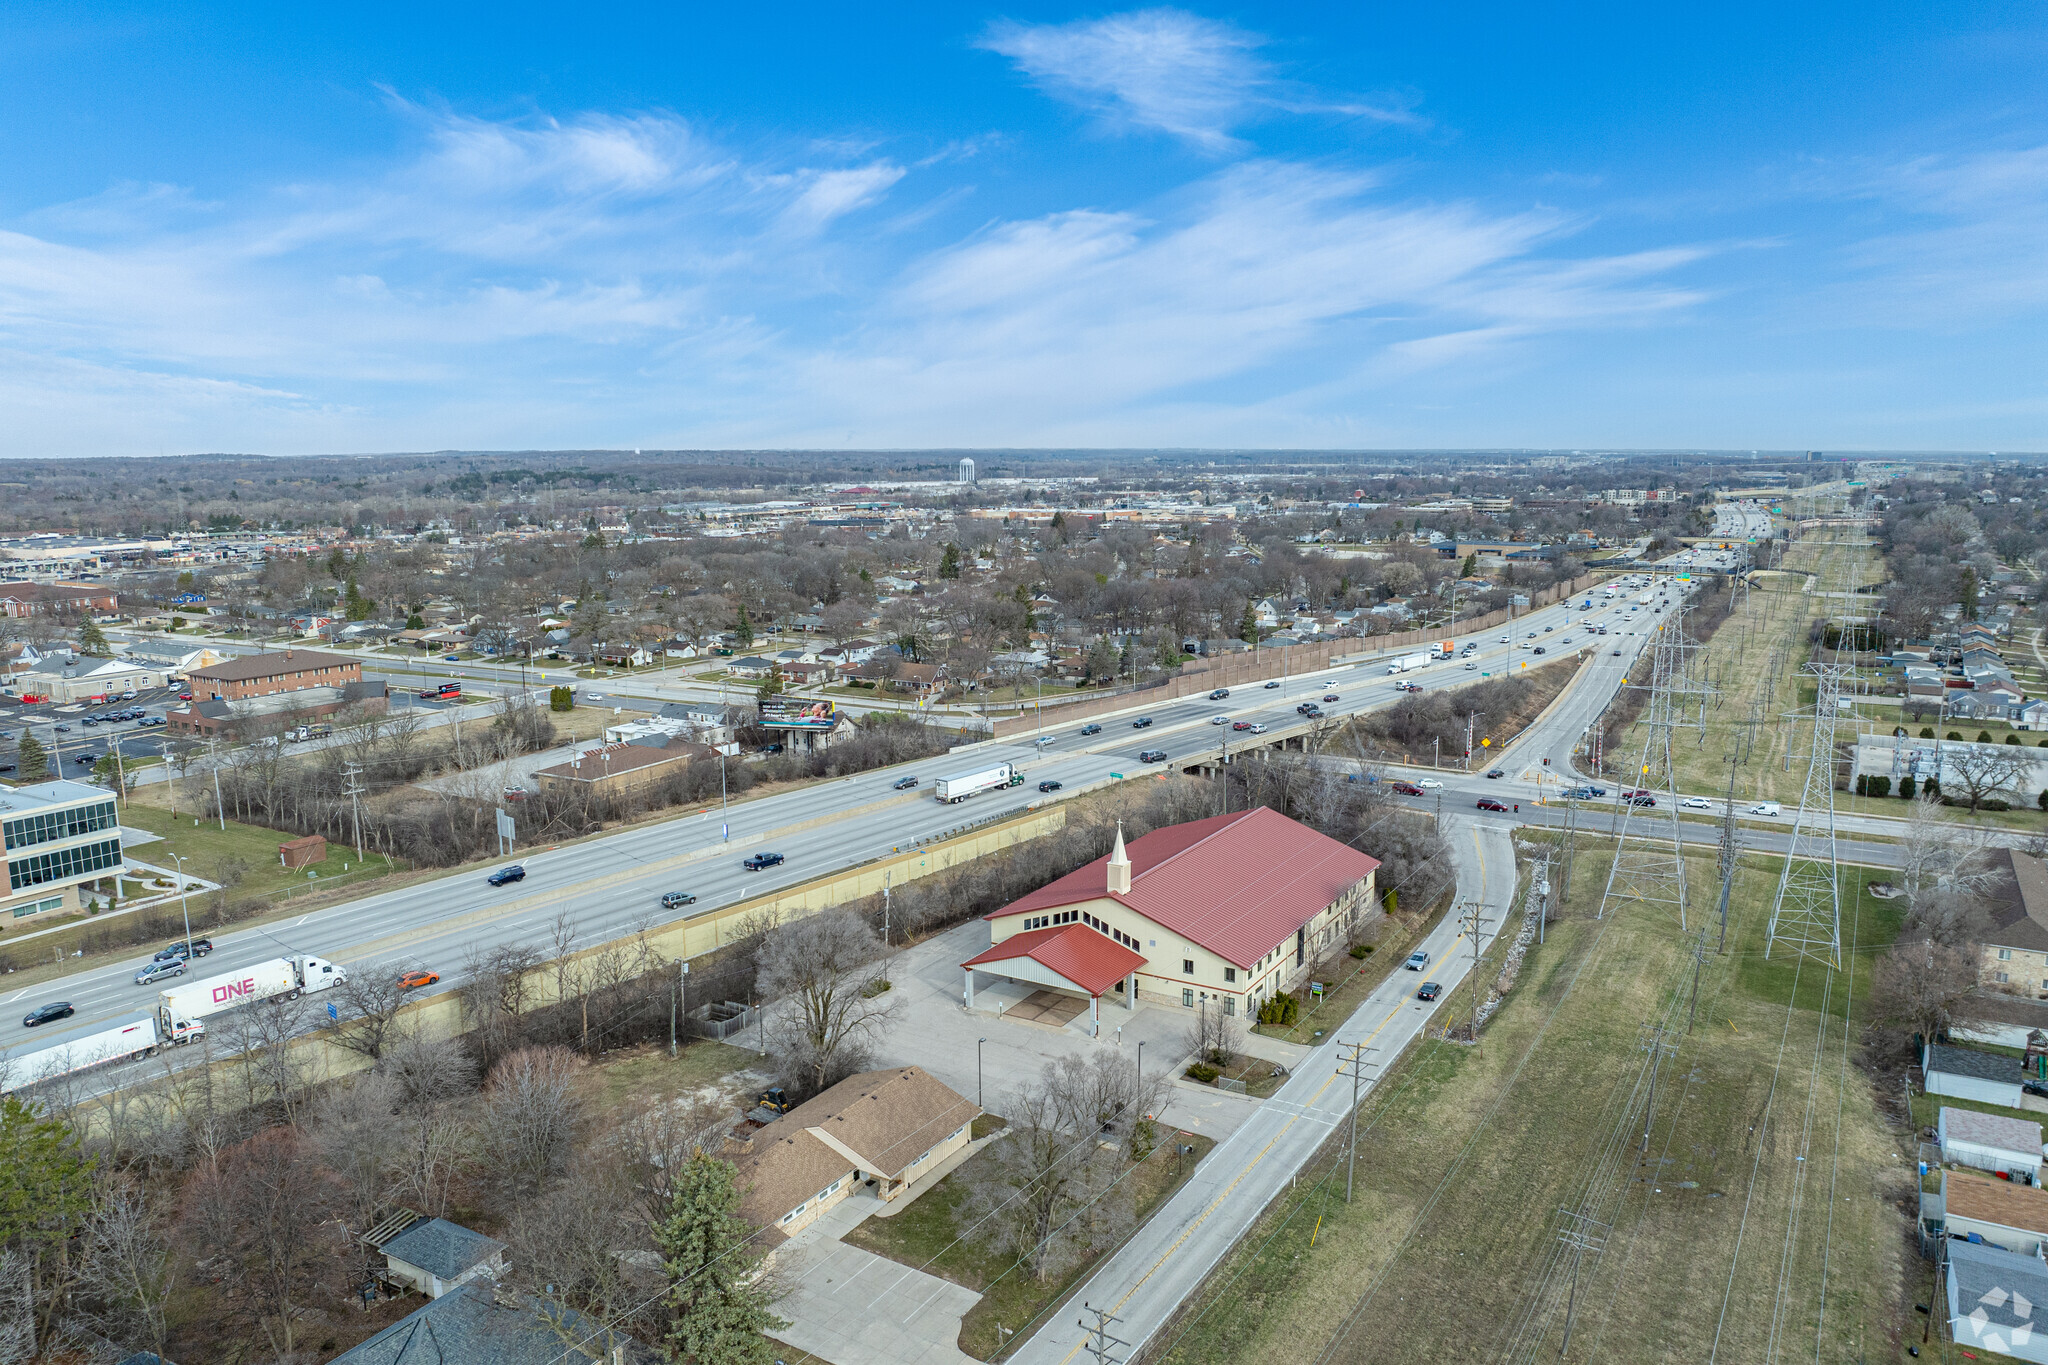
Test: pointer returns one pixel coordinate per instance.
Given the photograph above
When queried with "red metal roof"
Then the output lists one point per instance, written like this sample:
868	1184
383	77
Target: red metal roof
1237	884
1080	954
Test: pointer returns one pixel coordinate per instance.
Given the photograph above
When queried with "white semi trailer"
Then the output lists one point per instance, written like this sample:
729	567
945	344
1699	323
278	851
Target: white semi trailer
1406	662
179	1008
118	1044
963	785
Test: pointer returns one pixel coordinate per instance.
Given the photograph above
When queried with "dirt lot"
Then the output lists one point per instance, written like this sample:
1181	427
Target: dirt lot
1770	1183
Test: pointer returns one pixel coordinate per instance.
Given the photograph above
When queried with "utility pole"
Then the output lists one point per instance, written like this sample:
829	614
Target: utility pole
1727	868
1582	1234
219	807
1699	957
1540	888
1473	919
1100	1343
354	792
1354	1067
1653	1043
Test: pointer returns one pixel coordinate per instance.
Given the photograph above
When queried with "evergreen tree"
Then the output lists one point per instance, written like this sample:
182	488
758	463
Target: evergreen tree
1966	593
716	1311
773	684
745	629
1248	628
561	699
34	760
91	639
356	606
1470	566
45	1195
949	562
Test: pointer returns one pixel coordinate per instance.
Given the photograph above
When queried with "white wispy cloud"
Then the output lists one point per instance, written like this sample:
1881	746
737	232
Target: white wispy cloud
1165	69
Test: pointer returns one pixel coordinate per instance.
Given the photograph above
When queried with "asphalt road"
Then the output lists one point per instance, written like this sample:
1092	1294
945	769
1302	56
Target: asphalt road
437	923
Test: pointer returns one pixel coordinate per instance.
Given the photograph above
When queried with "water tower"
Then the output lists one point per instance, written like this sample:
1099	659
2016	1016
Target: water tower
967	472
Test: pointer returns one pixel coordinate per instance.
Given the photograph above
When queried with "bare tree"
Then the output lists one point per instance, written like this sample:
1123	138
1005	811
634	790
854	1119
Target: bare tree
17	1309
825	974
367	1003
1213	1037
496	992
1985	770
433	1078
258	1215
585	1242
356	1132
531	1117
128	1275
1922	987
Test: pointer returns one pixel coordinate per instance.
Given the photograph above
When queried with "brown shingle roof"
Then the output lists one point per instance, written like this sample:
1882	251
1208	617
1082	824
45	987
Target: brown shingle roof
2019	918
251	667
1995	1201
888	1118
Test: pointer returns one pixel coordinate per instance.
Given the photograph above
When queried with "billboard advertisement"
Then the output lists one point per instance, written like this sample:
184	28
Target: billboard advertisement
797	713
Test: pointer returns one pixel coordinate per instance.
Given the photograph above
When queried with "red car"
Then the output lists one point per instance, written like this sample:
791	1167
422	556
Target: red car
1488	803
184	696
1407	789
1242	725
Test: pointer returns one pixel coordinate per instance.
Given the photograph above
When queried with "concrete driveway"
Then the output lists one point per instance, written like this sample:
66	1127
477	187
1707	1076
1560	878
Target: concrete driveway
852	1307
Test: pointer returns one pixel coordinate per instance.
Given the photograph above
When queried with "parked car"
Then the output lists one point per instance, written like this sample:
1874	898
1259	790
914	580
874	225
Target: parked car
184	696
1050	785
1497	772
1417	960
63	729
159	970
1405	788
47	1014
514	873
512	794
903	784
417	978
761	860
1091	729
1488	803
1152	756
1219	694
184	948
676	900
85	758
1142	723
1430	991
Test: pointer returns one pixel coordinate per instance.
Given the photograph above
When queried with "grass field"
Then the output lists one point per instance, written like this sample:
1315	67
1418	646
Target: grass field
927	1235
1770	1175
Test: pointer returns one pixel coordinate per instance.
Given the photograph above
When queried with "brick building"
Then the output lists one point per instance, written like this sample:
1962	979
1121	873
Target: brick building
267	675
37	599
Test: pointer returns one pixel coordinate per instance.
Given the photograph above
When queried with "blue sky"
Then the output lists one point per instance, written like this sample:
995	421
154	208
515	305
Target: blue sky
428	227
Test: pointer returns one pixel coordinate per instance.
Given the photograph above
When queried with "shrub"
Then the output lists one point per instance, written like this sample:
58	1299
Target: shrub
1203	1072
1983	736
2012	739
1880	785
561	699
1906	788
1359	950
1955	736
1927	732
1863	784
2042	799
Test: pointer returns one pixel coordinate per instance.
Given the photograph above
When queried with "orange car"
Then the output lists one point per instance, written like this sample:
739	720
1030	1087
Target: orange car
414	980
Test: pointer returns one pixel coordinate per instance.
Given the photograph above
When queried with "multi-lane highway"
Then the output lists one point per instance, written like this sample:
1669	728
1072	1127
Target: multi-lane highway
609	884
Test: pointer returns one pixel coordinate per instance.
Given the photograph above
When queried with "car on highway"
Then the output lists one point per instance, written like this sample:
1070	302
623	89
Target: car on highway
676	900
418	977
1044	740
1304	708
1219	694
1219	720
1091	729
1488	803
1697	803
1430	990
1617	654
1258	729
1541	650
762	860
1152	756
63	729
514	873
1427	782
1331	696
1271	686
1241	725
158	971
1471	665
48	1014
1548	629
1406	788
1503	639
1417	960
1142	723
1497	772
1642	799
1766	808
184	948
1050	785
1566	640
903	784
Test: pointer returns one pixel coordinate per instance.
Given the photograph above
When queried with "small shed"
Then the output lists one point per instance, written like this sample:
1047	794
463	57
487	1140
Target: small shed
1986	1077
297	853
2007	1147
435	1256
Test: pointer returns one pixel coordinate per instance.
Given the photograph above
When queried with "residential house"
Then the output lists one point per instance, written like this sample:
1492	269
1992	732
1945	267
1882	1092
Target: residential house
1998	1211
435	1257
750	666
2032	715
492	1324
621	655
878	1132
1225	912
42	599
2013	944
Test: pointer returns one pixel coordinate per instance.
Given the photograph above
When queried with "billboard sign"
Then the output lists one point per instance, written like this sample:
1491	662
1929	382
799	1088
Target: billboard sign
797	713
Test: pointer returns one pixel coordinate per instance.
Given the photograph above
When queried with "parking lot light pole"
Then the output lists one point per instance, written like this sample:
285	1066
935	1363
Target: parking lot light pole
184	904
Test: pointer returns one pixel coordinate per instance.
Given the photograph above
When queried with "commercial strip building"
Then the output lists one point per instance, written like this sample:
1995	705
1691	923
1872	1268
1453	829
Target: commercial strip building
1222	913
274	689
262	675
41	599
629	766
58	836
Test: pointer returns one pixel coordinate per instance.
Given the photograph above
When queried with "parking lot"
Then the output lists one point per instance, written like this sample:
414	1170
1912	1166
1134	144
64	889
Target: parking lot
78	735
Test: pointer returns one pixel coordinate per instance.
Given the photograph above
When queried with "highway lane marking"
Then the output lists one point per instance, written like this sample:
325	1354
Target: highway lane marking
17	995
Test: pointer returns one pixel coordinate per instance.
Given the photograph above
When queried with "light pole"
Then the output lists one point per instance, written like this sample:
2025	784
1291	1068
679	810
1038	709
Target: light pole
183	904
1140	1075
977	1071
675	1002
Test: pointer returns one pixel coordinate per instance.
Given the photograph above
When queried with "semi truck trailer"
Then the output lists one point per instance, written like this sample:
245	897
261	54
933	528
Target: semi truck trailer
179	1008
1408	661
21	1070
963	785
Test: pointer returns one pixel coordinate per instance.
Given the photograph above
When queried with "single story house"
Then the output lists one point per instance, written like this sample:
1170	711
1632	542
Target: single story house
1998	1211
436	1256
880	1131
1990	1142
623	767
1227	911
492	1324
750	666
1994	1296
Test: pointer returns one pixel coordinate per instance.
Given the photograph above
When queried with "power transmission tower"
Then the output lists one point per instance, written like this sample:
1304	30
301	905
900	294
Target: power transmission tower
1354	1067
1726	869
1582	1233
1649	854
1699	959
1806	916
1100	1342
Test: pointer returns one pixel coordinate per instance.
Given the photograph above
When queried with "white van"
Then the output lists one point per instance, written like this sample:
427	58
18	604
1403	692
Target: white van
1766	808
